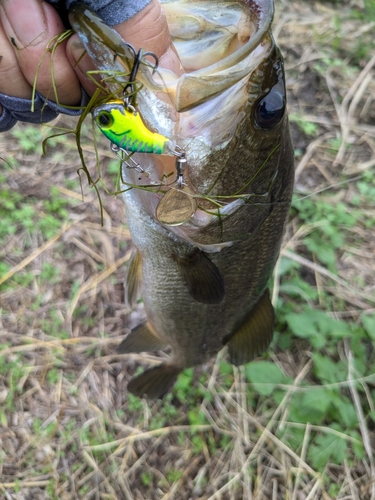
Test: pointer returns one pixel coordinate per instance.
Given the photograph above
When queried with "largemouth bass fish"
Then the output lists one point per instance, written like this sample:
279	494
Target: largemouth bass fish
206	240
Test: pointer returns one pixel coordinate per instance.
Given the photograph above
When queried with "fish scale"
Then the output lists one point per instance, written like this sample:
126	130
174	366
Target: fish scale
204	281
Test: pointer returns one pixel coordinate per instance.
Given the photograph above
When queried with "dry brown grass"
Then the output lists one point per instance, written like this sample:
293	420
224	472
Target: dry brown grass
68	429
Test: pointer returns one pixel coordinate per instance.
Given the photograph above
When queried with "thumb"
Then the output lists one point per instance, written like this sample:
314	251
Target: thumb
148	30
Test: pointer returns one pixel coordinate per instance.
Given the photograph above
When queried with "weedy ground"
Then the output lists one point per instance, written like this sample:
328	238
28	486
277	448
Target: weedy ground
296	424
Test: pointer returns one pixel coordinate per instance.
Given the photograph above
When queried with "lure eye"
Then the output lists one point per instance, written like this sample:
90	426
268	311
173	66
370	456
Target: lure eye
270	109
105	119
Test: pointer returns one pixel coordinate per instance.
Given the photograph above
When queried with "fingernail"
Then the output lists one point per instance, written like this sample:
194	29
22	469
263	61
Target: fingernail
24	22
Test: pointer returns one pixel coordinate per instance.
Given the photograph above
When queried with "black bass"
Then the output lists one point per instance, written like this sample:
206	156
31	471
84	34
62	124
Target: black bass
208	236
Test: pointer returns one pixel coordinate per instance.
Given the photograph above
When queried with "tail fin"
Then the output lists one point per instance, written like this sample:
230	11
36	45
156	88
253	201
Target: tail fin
155	382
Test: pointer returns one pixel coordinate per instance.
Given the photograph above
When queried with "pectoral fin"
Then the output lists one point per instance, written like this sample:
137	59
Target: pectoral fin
202	277
155	382
254	336
133	279
141	339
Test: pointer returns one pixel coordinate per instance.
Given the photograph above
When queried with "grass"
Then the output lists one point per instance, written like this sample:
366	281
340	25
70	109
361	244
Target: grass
298	422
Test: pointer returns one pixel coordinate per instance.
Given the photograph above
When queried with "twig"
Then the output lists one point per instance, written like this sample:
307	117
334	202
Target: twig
35	254
94	281
24	484
320	269
306	440
361	419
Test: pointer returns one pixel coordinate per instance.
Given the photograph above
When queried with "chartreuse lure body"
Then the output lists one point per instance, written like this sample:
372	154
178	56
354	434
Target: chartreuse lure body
124	127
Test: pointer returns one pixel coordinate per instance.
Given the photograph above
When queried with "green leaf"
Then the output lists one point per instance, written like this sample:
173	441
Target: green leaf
311	406
358	448
345	413
264	376
327	370
196	417
286	265
368	322
302	326
316	326
370	9
327	448
226	368
309	128
185	380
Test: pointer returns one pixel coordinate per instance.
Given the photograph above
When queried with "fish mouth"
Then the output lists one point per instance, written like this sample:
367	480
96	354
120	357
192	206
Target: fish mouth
220	44
223	32
214	40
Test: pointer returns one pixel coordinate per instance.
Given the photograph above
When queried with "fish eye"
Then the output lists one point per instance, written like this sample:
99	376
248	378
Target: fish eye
105	119
270	109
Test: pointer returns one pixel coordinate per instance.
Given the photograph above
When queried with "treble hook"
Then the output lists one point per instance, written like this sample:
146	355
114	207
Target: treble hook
129	89
129	161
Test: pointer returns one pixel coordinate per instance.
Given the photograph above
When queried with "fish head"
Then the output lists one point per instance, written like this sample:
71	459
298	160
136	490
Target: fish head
226	113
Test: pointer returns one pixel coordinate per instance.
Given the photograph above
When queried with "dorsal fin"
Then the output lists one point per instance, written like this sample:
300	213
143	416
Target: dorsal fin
142	338
133	279
255	334
202	277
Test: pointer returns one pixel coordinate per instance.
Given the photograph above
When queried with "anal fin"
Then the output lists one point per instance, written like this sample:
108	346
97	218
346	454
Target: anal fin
202	277
255	334
133	279
141	339
155	382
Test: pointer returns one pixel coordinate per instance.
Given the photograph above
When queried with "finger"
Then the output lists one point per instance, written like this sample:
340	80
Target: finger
81	63
12	81
30	25
148	30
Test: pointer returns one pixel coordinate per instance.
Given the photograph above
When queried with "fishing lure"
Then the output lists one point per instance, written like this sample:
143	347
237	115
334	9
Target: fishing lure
122	124
124	127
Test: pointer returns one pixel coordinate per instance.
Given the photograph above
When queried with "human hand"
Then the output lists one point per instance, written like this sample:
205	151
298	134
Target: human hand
26	28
